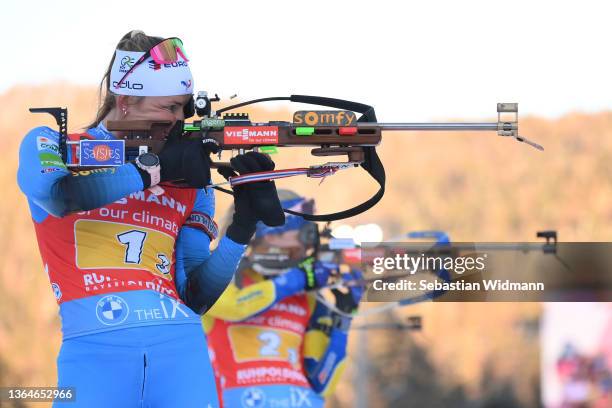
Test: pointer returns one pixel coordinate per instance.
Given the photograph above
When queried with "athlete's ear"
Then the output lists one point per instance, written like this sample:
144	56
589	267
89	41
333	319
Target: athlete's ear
123	103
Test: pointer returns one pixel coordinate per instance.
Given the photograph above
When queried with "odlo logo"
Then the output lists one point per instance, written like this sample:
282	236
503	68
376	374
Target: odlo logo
128	85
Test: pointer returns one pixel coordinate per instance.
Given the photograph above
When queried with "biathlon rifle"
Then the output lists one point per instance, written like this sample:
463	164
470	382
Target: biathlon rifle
331	132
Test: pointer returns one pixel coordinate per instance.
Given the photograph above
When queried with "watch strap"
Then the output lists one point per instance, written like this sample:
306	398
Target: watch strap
153	171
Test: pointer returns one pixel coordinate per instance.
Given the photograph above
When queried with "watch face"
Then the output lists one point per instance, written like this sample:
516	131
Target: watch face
148	159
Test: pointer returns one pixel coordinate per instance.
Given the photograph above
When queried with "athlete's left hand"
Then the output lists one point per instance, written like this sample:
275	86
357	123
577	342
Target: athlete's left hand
253	202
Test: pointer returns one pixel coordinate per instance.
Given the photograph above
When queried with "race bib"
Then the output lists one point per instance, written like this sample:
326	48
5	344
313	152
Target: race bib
111	245
256	343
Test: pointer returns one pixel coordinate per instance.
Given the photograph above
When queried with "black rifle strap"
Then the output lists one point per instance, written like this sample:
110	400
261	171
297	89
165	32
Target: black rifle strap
372	163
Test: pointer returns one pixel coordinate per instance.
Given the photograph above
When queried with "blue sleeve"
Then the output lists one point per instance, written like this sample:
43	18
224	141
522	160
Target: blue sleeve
324	350
53	189
324	373
289	283
202	276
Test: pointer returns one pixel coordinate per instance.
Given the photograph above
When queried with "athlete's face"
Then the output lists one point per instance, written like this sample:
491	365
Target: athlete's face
287	239
288	242
157	108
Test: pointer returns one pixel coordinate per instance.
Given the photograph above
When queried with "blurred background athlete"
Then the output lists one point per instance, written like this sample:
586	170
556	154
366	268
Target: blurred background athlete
271	342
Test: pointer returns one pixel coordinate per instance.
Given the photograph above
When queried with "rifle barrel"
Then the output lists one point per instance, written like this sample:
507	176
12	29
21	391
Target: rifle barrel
490	126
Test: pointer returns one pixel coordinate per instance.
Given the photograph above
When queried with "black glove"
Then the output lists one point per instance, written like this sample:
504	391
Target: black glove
253	202
347	299
187	160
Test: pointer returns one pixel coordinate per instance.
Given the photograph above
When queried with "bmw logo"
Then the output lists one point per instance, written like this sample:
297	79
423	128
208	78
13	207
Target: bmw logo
253	398
112	310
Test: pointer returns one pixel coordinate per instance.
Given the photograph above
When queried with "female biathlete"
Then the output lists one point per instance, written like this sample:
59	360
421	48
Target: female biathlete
127	254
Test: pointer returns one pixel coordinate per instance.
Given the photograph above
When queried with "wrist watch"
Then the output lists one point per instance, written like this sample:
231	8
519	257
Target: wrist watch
149	162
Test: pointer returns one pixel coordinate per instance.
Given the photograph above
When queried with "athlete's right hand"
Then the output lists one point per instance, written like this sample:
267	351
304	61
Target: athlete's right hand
348	298
187	160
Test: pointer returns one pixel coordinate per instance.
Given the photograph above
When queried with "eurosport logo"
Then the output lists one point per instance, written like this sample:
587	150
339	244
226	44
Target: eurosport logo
126	64
112	310
253	398
156	67
56	291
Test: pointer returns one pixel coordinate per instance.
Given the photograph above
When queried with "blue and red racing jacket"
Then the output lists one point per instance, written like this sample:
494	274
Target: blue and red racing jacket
118	256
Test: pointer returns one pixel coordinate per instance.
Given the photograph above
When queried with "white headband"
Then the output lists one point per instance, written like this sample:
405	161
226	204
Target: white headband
150	78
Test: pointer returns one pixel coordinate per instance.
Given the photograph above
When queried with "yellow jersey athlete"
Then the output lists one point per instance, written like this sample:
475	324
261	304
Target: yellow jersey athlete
271	343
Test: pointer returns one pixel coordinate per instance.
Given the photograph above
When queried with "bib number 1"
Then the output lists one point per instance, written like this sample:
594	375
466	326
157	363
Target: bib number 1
134	242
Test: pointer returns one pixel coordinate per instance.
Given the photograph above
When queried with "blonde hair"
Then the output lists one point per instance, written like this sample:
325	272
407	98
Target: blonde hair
135	40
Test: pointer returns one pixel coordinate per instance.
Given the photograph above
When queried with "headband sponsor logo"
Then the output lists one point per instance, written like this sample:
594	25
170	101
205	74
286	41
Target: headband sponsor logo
156	67
159	79
251	135
128	85
126	64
